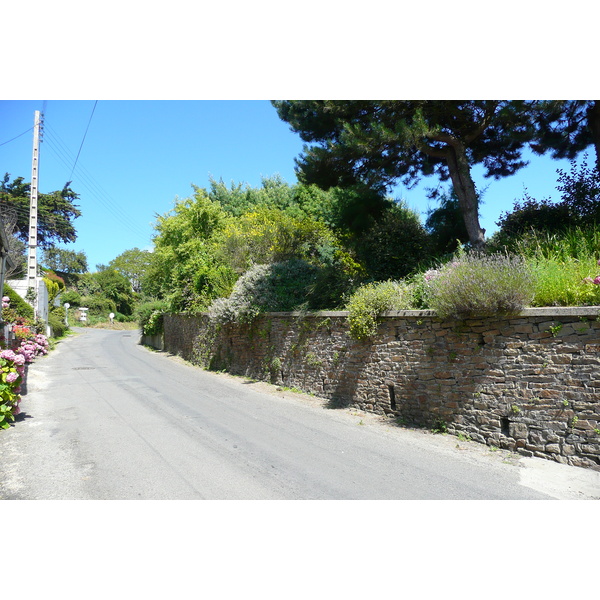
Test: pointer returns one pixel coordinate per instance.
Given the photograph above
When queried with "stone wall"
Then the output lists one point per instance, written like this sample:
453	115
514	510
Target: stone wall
530	383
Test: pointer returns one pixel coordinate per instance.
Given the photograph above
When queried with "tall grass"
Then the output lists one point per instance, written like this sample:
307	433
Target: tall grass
560	263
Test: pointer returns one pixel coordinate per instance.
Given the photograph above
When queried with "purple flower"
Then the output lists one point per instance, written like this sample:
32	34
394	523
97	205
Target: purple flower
12	377
597	280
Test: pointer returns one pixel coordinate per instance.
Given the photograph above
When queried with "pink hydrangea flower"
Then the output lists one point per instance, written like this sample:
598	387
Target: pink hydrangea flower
12	377
8	355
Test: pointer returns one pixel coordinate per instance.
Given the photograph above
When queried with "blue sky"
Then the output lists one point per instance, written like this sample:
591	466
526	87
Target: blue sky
136	157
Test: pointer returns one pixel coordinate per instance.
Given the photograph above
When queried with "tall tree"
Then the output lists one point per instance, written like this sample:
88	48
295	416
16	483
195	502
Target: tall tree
56	212
65	261
378	143
133	265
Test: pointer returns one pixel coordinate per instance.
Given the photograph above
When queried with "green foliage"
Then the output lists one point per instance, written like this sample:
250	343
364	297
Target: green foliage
446	225
564	265
378	143
578	209
185	267
56	320
132	264
19	309
65	261
72	297
284	286
565	282
239	199
54	284
476	284
116	288
149	316
440	426
56	212
372	299
395	245
270	235
98	305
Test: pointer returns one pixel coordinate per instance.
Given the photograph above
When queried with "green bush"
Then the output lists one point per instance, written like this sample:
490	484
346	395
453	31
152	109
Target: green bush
73	297
18	306
476	284
149	316
56	320
372	299
395	245
99	306
564	265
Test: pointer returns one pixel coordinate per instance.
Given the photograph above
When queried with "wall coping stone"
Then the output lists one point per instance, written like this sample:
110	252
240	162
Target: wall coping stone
544	311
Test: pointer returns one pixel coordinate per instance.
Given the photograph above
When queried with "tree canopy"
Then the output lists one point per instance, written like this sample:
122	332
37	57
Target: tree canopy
56	212
65	261
380	143
566	127
133	265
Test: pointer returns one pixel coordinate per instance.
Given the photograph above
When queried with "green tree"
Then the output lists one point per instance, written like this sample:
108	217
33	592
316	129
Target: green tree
115	287
238	199
65	261
56	212
185	267
579	207
378	143
133	264
446	225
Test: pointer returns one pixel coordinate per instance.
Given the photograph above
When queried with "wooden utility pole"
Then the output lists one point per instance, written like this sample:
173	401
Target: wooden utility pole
33	212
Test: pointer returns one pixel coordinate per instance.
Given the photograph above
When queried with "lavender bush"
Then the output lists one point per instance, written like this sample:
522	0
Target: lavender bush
476	284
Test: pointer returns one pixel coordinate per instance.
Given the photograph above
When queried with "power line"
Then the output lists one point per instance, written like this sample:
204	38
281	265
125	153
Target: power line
58	147
16	137
83	140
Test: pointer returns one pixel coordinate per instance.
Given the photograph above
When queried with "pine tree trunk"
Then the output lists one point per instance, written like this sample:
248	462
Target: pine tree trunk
464	187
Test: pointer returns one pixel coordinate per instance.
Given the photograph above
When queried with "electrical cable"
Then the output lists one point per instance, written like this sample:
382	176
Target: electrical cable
16	137
58	148
83	140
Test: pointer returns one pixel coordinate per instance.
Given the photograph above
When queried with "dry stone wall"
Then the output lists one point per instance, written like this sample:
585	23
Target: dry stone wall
529	383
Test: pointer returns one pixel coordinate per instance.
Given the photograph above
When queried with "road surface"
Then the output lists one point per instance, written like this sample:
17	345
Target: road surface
105	418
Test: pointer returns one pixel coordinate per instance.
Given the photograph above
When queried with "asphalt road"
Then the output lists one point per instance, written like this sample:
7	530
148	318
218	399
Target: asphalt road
105	418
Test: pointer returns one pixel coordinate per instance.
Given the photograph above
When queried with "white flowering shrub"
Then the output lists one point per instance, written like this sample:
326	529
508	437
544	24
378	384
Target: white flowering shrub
279	287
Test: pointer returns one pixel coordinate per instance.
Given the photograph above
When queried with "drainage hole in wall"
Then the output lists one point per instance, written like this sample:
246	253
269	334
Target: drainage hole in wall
504	426
392	397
